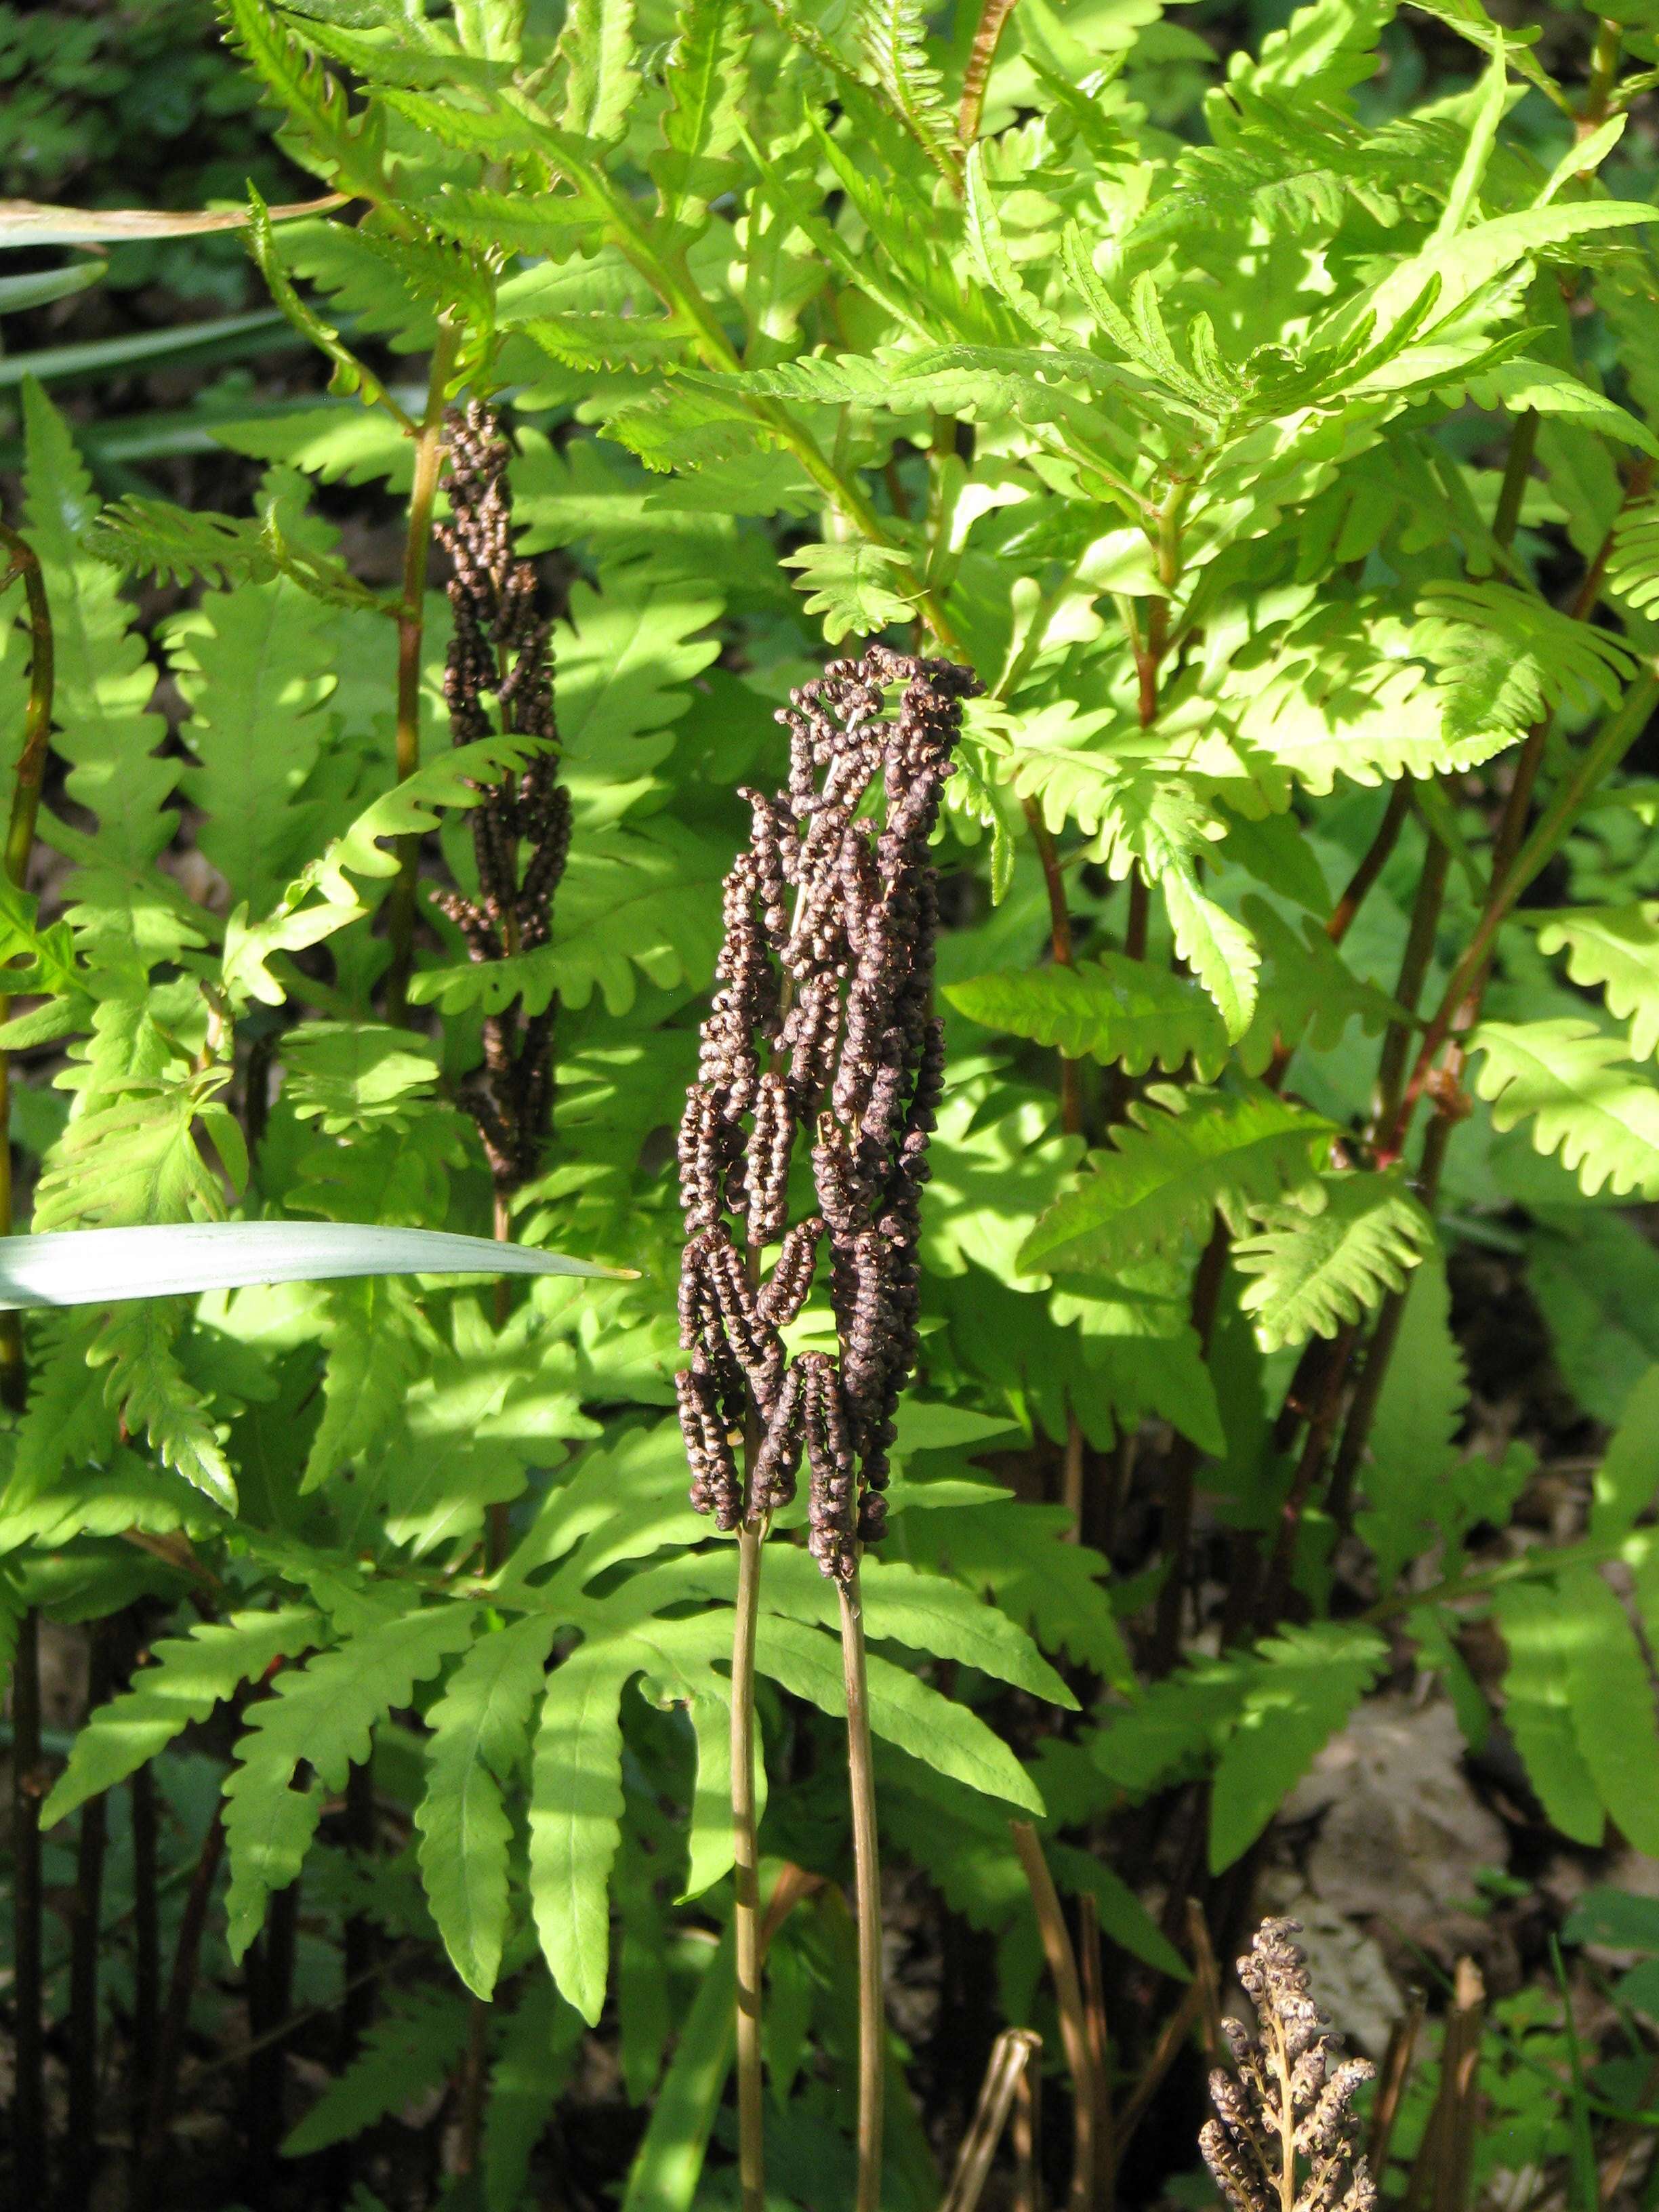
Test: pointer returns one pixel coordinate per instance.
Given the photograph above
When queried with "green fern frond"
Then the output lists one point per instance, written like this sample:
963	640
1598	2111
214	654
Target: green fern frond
1111	1009
1314	1270
322	1715
1575	1085
1193	1154
1618	948
893	34
186	1678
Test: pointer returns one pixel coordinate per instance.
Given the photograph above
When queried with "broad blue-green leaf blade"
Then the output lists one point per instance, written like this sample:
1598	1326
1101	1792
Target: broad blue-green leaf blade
97	1266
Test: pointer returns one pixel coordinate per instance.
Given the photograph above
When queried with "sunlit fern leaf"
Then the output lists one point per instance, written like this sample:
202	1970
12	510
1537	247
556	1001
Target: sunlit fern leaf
1584	1100
1121	1011
1187	1157
1633	571
1617	947
1314	1270
893	34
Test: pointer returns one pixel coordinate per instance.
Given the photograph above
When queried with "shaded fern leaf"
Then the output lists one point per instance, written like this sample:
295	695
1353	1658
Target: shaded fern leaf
322	1715
1315	1269
186	1678
408	2052
1300	1689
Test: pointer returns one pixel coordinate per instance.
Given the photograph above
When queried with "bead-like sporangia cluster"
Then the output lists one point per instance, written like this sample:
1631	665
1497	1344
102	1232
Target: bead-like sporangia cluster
822	1023
500	648
1282	2140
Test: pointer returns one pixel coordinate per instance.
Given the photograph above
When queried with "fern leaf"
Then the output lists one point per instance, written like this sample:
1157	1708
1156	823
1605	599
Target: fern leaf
1538	1708
705	77
158	1401
1193	1154
186	1678
1617	947
412	2050
1585	1102
1111	1009
1024	1560
626	658
1632	571
321	899
894	36
1610	1695
105	729
255	666
341	148
1419	1413
633	901
480	1731
575	1815
596	48
1302	1688
1314	1271
859	588
153	538
904	1710
322	1714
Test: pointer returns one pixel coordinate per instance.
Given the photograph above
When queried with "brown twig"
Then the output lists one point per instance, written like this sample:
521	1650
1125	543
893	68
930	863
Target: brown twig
1026	2135
146	1947
28	2124
1068	1997
1391	2082
175	2017
1013	2055
1362	881
1440	2171
80	2164
1181	1470
1092	1975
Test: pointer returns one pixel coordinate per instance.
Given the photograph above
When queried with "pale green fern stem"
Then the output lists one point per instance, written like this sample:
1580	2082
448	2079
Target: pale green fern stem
411	625
866	1884
745	1873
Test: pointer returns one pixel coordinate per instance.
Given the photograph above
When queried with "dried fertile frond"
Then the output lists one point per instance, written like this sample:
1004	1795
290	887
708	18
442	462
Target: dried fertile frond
822	1020
1283	2137
521	832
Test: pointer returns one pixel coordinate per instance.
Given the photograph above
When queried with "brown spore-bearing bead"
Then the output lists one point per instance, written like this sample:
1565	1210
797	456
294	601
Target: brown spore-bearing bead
822	1021
500	648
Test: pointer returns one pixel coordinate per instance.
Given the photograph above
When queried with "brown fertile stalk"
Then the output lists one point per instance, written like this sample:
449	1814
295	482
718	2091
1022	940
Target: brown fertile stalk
411	628
500	652
822	1020
1014	2056
1440	2171
1391	2082
1073	2024
1283	2137
1090	1973
146	1945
